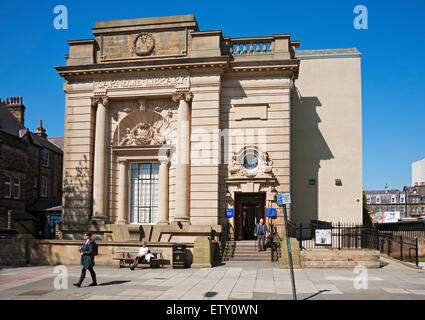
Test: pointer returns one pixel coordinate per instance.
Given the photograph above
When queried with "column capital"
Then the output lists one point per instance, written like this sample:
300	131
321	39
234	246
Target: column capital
182	95
103	99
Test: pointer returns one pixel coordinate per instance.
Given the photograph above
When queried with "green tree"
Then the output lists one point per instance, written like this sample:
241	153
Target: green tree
367	220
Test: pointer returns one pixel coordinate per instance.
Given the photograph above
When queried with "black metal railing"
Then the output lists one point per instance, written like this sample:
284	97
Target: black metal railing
274	243
225	237
402	245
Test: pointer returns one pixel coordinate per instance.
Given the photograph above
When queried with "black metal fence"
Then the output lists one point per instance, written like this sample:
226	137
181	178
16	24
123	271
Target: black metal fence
402	245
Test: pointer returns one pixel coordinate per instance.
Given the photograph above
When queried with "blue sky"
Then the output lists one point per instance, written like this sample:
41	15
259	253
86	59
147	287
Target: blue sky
393	64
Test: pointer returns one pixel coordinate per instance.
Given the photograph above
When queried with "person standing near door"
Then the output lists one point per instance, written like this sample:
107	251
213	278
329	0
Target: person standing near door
260	232
87	251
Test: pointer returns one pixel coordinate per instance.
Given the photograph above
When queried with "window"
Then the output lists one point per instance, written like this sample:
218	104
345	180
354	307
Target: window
393	199
16	188
378	199
45	159
423	210
378	209
43	186
368	200
8	187
144	192
393	208
402	198
402	209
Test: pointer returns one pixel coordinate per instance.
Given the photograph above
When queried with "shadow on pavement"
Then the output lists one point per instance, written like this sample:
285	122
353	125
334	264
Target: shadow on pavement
317	293
210	294
110	283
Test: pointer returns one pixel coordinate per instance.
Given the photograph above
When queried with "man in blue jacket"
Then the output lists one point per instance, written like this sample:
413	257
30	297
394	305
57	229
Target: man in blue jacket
260	232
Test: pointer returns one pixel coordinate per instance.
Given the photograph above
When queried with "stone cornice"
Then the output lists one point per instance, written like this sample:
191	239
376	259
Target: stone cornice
287	66
222	64
146	65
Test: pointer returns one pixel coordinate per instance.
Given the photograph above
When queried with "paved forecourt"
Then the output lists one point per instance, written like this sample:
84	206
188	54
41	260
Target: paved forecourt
234	280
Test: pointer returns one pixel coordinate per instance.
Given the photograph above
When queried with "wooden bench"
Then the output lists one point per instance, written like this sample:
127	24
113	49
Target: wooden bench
154	262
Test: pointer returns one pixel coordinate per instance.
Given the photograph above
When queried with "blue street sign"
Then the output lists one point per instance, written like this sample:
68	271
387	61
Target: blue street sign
283	198
271	212
229	213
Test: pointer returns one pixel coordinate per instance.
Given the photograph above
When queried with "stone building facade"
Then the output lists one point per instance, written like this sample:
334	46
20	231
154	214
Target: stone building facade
167	126
30	172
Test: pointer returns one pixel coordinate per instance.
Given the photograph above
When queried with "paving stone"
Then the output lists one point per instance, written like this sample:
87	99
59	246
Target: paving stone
241	295
396	290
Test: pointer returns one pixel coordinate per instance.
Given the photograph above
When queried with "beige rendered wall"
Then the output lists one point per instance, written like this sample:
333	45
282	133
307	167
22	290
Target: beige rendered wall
326	137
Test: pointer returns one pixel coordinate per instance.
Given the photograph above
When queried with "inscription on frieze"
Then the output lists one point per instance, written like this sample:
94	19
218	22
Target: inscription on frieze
150	81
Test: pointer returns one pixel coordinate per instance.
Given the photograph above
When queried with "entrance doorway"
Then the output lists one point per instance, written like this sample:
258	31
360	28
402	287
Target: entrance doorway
249	209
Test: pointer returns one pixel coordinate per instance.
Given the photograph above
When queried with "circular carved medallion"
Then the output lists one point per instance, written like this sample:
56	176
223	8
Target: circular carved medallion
143	44
250	161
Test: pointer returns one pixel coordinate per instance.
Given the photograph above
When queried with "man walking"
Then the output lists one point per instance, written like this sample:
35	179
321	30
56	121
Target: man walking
87	252
260	232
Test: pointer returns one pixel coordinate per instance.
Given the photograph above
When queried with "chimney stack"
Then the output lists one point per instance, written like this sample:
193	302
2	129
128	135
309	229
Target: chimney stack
16	107
386	188
41	131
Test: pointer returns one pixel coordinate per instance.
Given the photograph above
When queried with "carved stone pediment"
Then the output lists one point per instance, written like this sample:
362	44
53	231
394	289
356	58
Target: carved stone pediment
141	134
155	105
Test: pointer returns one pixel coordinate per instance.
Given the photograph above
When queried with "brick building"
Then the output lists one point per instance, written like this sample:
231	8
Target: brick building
409	202
416	200
30	172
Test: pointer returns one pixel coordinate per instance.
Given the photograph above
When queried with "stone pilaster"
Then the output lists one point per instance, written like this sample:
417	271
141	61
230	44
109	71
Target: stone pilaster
182	213
100	158
123	192
163	192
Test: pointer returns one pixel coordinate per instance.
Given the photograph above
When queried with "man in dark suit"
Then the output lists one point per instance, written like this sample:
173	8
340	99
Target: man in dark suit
260	232
87	257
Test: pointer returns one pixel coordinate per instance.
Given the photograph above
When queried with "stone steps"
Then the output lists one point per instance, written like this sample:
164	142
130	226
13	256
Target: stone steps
245	250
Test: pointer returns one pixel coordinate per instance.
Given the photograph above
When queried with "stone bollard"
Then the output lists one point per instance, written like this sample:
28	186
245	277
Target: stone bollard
295	250
202	254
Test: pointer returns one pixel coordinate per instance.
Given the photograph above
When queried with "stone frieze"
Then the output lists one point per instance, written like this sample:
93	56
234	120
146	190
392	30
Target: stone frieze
148	81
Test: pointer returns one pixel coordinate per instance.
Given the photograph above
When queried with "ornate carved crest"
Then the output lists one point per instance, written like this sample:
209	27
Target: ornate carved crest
251	164
141	134
146	42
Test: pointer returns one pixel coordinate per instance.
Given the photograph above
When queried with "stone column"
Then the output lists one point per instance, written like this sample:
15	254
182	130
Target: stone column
163	192
100	158
182	165
123	192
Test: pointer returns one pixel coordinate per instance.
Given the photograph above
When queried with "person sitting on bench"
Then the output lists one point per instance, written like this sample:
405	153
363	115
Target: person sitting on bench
143	255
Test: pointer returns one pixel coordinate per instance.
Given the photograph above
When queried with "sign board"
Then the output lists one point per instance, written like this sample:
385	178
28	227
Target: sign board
391	216
378	218
386	217
280	212
229	213
283	198
271	212
323	237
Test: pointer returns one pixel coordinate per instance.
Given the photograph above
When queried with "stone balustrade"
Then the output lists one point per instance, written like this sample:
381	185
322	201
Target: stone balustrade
250	46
